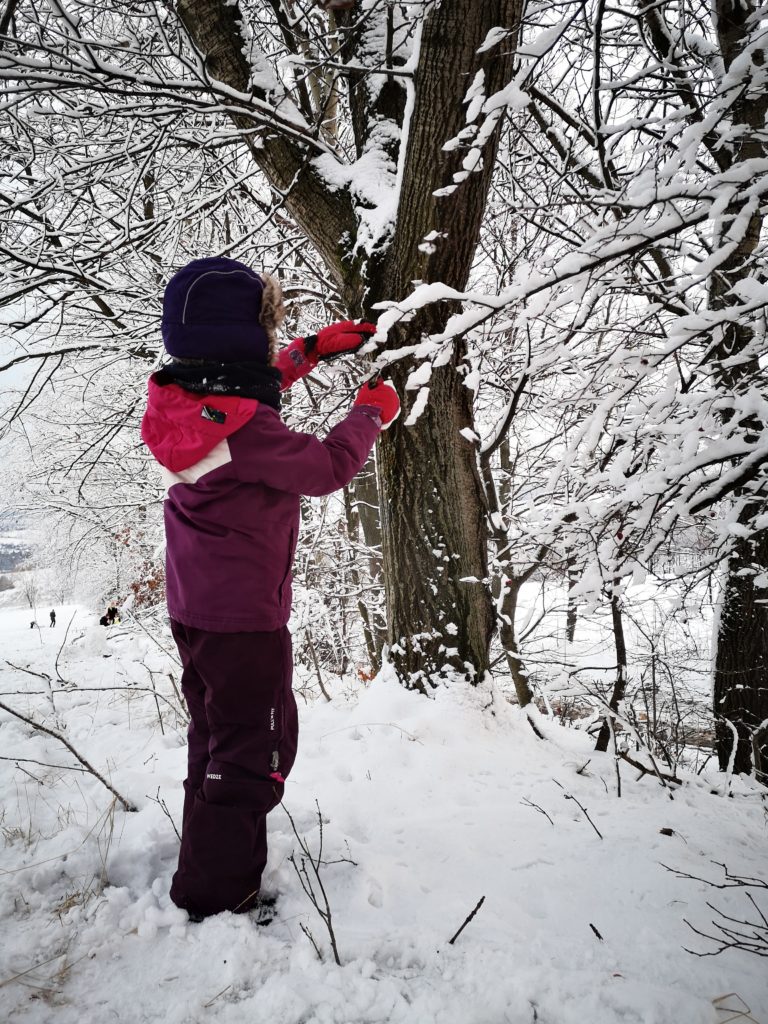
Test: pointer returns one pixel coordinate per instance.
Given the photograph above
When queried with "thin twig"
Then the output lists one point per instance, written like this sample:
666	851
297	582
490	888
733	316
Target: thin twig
155	641
164	808
44	764
59	676
179	698
121	689
35	967
212	1001
127	805
318	899
29	671
570	796
731	881
311	938
750	936
530	803
157	703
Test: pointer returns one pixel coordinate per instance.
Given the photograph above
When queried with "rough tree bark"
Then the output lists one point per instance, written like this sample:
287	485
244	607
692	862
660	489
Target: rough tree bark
433	512
741	664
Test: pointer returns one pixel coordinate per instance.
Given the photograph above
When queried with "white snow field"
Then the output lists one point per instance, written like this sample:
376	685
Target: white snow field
438	802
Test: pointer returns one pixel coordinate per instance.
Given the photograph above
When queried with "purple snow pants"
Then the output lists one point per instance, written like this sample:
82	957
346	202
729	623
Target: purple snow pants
242	735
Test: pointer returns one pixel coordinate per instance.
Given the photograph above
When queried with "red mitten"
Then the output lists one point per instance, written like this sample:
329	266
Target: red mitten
337	340
382	397
294	362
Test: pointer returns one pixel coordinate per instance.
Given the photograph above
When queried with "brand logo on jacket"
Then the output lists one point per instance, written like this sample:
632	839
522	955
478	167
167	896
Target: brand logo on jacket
213	775
214	415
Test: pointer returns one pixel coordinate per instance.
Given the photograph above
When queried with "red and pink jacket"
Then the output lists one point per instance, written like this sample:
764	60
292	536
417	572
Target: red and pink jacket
232	508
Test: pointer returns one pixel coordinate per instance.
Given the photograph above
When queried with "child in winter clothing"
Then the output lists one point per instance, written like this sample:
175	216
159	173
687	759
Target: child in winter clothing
234	474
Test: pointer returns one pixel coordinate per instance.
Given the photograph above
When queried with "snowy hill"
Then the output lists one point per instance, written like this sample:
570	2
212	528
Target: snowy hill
14	550
427	806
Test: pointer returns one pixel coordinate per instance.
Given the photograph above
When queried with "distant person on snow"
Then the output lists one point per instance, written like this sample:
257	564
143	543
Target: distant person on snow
53	618
234	473
103	621
112	615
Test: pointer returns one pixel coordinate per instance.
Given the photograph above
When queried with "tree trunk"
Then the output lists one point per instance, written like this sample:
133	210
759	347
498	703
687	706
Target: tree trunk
741	664
324	214
435	539
572	612
620	685
440	613
507	585
508	637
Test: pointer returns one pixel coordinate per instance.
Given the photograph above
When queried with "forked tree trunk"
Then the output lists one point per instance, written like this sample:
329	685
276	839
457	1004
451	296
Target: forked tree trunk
433	515
440	613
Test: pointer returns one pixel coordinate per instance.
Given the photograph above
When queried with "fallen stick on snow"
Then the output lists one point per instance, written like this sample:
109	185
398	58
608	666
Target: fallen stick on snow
570	796
644	770
127	805
481	901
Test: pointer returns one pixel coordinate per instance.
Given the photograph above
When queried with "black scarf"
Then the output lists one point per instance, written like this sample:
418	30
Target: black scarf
246	380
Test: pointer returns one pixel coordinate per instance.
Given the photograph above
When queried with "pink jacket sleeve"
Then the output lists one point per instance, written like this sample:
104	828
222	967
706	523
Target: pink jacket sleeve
267	451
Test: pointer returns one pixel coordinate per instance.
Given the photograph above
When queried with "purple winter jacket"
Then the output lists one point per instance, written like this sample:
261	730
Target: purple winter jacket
232	509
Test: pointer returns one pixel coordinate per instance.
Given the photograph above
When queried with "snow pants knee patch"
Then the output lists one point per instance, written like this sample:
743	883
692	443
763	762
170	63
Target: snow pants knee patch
224	788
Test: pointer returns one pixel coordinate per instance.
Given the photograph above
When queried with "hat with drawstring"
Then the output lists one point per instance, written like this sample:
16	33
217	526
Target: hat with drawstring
211	311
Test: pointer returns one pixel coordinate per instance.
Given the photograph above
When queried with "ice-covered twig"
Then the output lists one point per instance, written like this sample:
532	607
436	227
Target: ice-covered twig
43	764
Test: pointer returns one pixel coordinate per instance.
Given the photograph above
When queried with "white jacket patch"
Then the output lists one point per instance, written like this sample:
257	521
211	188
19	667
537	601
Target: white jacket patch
218	456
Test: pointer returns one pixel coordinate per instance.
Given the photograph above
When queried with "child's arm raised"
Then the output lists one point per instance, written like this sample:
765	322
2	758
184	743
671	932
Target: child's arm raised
266	451
302	355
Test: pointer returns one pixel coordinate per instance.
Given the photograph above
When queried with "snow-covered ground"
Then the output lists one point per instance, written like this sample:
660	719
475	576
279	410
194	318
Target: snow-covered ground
437	802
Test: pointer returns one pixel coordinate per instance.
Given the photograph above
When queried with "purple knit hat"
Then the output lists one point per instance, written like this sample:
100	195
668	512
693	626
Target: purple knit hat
211	311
